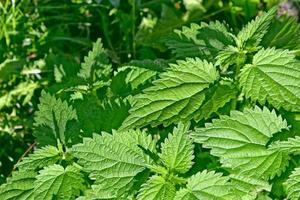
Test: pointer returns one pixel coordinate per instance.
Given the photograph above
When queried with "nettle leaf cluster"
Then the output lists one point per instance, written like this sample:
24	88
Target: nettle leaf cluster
220	122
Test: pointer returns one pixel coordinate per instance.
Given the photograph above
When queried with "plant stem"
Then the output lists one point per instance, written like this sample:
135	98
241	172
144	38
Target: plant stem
24	155
133	29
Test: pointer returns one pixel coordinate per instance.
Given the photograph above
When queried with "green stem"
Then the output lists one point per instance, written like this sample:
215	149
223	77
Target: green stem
133	29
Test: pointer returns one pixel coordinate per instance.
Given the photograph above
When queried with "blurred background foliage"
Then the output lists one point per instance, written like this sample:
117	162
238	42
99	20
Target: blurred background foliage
43	42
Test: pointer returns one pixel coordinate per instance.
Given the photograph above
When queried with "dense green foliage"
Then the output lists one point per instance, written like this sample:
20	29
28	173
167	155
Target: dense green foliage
171	106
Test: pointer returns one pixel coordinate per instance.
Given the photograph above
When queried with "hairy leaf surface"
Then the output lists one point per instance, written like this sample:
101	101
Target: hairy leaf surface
251	35
55	181
177	150
41	157
54	115
114	160
19	186
176	96
206	186
240	141
273	76
292	185
248	188
157	188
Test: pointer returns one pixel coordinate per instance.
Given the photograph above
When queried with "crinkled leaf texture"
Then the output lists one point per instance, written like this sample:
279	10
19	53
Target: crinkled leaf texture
177	150
19	186
240	141
217	97
203	41
157	188
290	146
114	160
251	35
51	120
293	184
56	182
137	76
41	157
176	96
273	76
206	186
248	188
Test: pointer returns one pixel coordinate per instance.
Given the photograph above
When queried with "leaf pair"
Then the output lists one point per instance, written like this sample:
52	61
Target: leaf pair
241	141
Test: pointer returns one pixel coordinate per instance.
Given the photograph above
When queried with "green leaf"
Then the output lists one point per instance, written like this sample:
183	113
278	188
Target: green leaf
95	116
19	186
99	192
176	96
283	33
96	64
206	186
52	116
216	98
291	146
293	184
226	57
40	158
137	76
177	150
248	188
114	160
157	188
203	41
273	76
240	141
251	35
56	182
130	80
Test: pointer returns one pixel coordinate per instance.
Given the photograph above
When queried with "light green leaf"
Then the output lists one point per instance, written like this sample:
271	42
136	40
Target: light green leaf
290	146
206	186
273	76
176	96
240	141
130	79
54	114
96	64
19	186
55	181
226	57
293	184
114	160
137	76
157	188
216	97
203	41
177	150
248	188
40	158
251	35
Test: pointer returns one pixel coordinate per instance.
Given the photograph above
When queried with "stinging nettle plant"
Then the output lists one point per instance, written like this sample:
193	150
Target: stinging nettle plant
147	130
